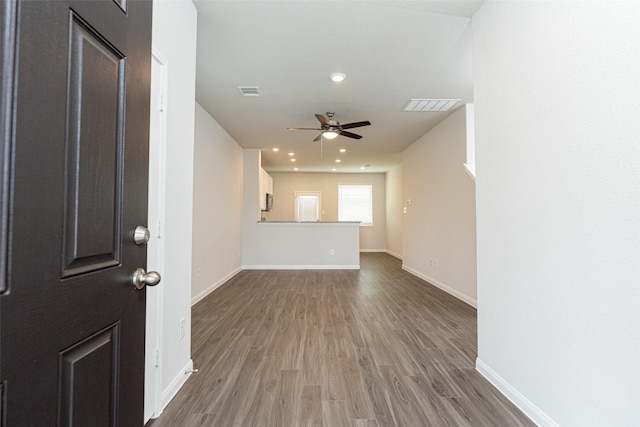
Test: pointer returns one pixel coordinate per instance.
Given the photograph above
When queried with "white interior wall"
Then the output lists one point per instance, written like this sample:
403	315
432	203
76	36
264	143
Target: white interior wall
557	116
217	206
393	209
439	235
174	37
251	163
286	184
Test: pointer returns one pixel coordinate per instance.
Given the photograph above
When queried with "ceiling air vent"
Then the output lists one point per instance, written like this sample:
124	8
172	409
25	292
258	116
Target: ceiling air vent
430	104
249	90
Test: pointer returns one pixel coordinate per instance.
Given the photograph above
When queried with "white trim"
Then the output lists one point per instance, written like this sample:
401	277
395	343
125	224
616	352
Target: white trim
301	267
175	386
156	247
373	250
216	285
471	170
529	409
462	297
393	254
470	164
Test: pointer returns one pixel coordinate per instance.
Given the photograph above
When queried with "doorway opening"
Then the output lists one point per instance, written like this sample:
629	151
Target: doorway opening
307	206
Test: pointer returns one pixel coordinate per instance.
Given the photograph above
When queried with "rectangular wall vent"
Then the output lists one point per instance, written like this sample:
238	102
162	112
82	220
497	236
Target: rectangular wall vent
430	104
249	90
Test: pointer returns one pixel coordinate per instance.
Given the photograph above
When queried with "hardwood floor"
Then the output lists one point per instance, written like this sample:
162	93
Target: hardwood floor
370	348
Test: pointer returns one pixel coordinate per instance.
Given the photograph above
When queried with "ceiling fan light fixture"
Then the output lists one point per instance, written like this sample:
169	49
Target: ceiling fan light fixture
330	134
330	128
337	77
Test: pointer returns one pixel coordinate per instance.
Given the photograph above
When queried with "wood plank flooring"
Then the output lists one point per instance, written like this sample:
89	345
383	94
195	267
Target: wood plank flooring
370	348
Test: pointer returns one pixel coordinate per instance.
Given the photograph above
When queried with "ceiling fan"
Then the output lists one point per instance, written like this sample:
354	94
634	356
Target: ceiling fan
331	128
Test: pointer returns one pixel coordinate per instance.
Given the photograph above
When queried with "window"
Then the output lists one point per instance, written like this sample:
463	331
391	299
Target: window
355	203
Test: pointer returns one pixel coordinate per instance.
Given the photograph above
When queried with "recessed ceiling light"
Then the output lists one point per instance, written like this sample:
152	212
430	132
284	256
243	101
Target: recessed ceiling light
292	154
362	167
337	77
295	169
334	169
293	160
275	149
342	150
338	160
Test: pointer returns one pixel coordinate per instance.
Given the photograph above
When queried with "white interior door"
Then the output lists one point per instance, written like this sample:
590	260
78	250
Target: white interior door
155	247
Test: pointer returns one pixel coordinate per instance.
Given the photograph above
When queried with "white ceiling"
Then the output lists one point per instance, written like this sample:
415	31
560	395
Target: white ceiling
391	51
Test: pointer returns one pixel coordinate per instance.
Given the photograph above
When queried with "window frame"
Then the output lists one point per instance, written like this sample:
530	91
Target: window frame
362	223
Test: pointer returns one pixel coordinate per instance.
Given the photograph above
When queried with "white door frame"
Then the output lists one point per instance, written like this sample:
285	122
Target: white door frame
155	247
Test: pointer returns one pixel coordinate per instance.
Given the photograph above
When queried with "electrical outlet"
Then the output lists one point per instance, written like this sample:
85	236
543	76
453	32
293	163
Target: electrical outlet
332	252
183	326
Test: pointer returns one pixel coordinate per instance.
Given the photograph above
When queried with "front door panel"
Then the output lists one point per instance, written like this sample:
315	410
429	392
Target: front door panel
72	324
88	380
95	119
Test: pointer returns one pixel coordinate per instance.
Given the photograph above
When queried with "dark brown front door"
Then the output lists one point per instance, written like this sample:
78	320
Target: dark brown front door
76	77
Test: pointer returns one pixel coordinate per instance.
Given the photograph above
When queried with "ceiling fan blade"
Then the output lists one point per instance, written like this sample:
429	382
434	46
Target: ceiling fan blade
303	129
317	138
355	124
322	119
350	135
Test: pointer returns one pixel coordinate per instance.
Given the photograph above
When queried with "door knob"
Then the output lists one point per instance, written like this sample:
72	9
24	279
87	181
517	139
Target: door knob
141	235
142	278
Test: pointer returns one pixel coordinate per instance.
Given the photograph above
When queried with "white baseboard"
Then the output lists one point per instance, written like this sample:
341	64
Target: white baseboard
462	297
394	254
524	404
177	383
301	267
195	299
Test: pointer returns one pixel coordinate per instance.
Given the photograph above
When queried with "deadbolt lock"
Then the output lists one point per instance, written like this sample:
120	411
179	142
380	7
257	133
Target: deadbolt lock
141	235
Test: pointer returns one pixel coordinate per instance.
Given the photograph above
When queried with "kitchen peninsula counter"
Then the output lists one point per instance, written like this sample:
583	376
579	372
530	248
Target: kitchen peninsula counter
288	245
308	222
